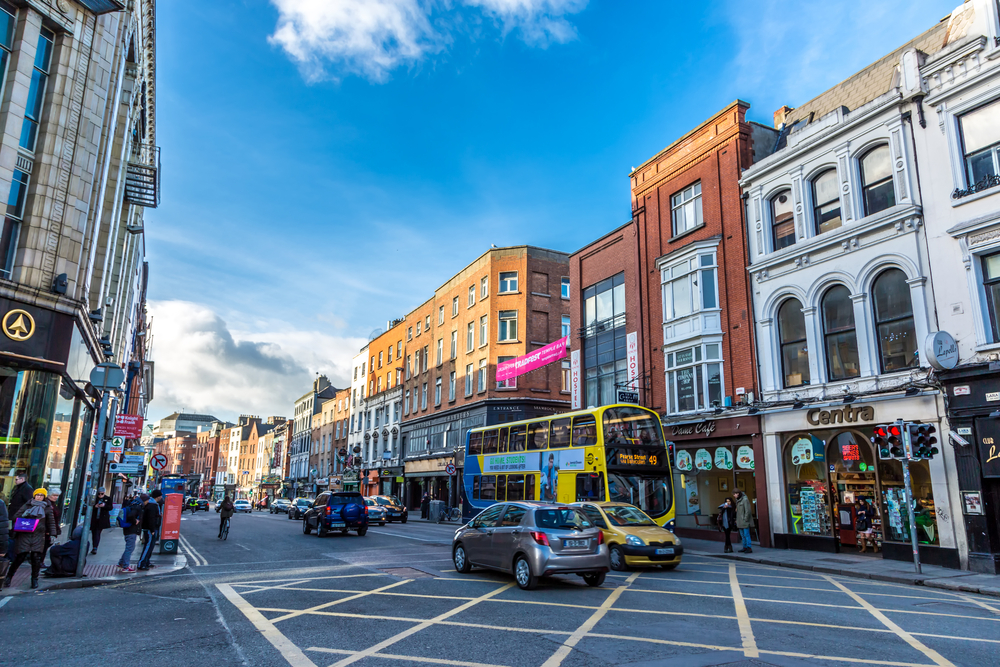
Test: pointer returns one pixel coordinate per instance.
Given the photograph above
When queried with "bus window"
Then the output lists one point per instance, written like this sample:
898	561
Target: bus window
517	439
490	442
627	426
529	487
560	434
487	488
584	431
475	444
538	435
515	487
501	488
475	487
590	487
503	440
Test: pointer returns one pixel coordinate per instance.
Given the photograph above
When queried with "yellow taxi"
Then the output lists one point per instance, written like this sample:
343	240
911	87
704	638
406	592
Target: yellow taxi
632	537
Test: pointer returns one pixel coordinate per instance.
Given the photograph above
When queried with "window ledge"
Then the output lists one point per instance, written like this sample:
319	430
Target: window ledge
677	237
508	342
988	347
505	293
955	203
547	296
506	388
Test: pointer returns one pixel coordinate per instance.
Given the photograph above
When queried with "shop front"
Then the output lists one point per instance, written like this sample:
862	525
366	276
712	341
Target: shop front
430	476
712	459
350	480
393	481
828	470
370	482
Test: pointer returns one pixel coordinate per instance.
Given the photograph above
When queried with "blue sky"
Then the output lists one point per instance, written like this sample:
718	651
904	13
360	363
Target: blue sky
328	163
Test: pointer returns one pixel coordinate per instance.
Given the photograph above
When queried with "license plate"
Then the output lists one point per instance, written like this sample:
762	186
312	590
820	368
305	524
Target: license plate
341	524
665	552
575	543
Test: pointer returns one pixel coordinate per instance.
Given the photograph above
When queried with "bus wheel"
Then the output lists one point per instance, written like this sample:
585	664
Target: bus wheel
618	559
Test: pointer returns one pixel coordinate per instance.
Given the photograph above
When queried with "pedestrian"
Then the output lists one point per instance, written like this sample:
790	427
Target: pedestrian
744	519
100	520
63	557
35	524
53	501
133	521
226	510
19	497
150	526
425	504
727	522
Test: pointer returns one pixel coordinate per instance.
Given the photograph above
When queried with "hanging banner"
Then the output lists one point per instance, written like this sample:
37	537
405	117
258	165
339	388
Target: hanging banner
574	379
632	360
529	362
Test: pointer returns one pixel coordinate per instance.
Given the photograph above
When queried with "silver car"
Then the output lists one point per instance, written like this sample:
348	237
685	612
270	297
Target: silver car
532	540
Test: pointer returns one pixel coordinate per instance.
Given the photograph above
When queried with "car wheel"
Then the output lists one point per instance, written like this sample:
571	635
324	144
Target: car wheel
526	581
305	527
618	559
321	530
343	531
669	566
362	530
594	579
461	561
403	520
382	524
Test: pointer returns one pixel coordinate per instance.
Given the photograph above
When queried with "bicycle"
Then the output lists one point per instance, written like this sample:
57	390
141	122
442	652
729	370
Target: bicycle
451	514
225	529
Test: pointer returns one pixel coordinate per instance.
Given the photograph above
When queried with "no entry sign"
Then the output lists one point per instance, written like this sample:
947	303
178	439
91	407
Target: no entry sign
159	461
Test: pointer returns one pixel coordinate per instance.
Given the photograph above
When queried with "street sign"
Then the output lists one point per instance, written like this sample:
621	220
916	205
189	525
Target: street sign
107	376
159	462
125	468
128	426
628	397
450	468
114	446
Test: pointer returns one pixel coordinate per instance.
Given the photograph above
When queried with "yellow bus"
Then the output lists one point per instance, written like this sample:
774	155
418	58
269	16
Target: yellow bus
615	453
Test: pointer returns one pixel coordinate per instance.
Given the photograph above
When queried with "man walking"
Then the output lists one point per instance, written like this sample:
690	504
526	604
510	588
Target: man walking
133	519
101	520
150	527
20	496
744	519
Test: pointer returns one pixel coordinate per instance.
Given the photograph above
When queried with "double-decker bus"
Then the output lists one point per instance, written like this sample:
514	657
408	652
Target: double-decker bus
615	453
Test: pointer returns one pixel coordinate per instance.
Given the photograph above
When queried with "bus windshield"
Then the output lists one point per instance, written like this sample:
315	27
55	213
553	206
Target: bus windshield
625	426
649	493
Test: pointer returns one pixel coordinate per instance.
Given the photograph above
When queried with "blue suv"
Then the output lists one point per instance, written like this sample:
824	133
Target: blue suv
336	511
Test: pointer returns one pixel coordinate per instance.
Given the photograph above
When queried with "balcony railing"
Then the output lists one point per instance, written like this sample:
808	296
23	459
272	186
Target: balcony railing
142	177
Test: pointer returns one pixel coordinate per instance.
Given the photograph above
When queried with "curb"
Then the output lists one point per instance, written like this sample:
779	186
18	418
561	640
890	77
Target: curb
180	562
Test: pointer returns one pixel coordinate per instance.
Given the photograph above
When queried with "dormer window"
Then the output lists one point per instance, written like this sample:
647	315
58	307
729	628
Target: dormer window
783	220
876	180
826	202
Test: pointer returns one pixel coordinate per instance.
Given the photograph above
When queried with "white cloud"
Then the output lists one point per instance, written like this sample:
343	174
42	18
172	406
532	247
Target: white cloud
204	366
373	37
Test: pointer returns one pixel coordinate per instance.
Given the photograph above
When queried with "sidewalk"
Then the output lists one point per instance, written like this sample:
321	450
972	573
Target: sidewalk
99	570
855	565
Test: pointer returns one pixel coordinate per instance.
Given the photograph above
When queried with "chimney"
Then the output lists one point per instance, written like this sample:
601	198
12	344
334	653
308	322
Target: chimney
780	114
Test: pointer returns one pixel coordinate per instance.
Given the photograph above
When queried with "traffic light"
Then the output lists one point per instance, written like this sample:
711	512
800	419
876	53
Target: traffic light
896	441
922	440
881	442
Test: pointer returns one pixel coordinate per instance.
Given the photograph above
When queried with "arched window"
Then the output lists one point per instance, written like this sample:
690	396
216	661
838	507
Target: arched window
826	201
897	339
876	180
792	338
839	335
782	220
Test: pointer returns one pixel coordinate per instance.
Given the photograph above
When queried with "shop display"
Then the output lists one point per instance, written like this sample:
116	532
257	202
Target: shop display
703	460
802	452
684	461
810	506
744	457
723	458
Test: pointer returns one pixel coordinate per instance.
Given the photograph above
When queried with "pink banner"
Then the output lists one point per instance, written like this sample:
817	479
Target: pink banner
529	362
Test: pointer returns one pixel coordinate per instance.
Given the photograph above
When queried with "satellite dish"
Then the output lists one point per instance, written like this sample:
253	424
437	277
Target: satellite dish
374	334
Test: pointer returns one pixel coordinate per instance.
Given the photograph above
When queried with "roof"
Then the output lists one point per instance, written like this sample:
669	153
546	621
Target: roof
191	416
873	81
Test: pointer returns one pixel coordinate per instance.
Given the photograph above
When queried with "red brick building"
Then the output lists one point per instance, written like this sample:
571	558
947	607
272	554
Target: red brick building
668	295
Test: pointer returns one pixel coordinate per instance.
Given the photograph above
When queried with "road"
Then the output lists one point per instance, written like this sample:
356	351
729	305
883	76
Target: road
271	596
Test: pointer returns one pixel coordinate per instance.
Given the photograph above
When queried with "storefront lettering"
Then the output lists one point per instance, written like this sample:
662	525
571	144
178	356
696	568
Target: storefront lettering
706	427
850	415
994	456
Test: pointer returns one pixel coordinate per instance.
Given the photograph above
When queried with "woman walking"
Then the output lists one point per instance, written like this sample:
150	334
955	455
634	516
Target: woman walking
727	522
33	524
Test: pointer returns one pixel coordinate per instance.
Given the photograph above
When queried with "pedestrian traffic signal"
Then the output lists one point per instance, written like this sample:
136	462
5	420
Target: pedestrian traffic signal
881	442
922	440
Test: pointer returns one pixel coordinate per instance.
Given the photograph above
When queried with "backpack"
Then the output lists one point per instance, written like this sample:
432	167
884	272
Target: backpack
126	512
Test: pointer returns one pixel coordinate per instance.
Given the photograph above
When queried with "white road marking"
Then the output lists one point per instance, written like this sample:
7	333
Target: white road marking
742	617
288	650
6	600
443	538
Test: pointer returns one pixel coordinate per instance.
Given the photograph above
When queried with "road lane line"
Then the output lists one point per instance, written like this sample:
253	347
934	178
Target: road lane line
443	539
340	601
6	600
980	603
742	617
409	658
199	560
426	624
288	650
930	653
329	576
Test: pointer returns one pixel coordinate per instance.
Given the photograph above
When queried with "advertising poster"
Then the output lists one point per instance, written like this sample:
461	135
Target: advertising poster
723	458
683	461
744	457
172	507
702	460
802	452
518	462
543	356
693	502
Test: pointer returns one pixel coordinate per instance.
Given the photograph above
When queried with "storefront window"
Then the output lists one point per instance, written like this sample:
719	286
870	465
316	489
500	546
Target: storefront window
705	476
807	489
27	410
894	515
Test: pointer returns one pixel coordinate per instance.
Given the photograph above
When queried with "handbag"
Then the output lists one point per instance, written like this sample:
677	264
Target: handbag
22	525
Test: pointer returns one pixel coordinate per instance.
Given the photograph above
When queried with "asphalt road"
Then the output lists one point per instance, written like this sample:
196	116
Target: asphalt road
271	596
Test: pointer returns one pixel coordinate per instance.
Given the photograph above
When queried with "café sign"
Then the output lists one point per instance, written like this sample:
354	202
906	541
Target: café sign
705	428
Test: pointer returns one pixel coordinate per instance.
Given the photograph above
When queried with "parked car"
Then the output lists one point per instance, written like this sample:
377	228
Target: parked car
298	507
342	511
632	537
242	505
280	505
376	514
532	540
394	510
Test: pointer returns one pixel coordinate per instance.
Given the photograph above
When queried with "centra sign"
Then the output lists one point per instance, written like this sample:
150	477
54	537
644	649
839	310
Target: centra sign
849	415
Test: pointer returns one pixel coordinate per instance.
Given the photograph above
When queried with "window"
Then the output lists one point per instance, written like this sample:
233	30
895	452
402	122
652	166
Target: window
584	431
508	282
440	351
509	383
426	357
437	392
604	350
590	487
423	398
18	193
482	375
380	360
564	288
441	315
792	339
508	326
427	323
380	384
483	329
839	337
409	367
416	393
565	326
688	287
454	307
567	378
484	288
685	207
36	92
468	379
406	403
538	435
454	344
897	339
399	349
409	333
826	201
782	220
876	180
472	296
388	355
694	378
470	337
981	144
451	386
418	327
560	433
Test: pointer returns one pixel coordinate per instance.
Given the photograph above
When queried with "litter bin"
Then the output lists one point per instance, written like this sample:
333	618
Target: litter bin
436	511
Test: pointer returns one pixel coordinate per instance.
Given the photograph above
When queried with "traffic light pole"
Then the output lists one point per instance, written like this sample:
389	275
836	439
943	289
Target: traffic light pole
908	492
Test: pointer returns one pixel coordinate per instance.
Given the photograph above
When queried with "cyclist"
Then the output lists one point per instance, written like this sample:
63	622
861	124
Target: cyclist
192	504
225	511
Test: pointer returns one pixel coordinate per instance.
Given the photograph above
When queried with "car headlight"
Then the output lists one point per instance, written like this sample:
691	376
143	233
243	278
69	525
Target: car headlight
677	540
634	541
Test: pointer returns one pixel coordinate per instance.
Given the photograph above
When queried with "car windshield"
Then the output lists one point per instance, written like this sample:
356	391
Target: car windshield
651	494
568	518
369	502
628	516
302	502
384	501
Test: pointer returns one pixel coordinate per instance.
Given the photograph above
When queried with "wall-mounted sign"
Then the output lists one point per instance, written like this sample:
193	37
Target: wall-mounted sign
628	397
702	460
972	502
941	350
988	436
744	457
705	428
128	426
961	390
574	379
723	458
684	462
849	414
632	362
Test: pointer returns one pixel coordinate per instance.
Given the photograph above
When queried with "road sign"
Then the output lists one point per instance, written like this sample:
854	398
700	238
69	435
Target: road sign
628	397
125	468
128	426
107	376
159	462
450	468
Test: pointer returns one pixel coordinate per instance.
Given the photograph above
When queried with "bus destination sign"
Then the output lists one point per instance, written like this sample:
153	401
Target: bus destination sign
638	457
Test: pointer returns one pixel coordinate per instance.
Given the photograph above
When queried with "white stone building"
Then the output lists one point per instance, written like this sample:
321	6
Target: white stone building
359	413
